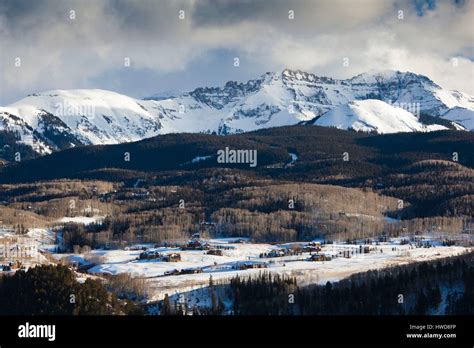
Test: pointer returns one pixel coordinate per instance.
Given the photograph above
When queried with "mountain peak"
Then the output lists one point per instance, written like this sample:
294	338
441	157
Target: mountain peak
299	75
388	75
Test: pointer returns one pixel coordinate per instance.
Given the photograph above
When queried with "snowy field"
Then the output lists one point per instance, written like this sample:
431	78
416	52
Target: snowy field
237	253
82	219
223	268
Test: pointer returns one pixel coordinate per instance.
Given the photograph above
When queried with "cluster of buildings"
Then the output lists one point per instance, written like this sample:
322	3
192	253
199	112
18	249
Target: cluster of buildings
155	254
249	265
296	250
345	253
281	252
196	243
315	251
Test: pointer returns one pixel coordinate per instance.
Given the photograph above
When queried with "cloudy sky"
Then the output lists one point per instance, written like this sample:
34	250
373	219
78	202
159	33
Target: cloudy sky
431	37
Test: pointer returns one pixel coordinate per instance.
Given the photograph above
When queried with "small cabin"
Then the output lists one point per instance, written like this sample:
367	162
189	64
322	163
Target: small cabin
191	270
312	247
240	241
5	268
174	257
320	257
249	265
216	252
172	272
276	253
149	254
195	244
11	266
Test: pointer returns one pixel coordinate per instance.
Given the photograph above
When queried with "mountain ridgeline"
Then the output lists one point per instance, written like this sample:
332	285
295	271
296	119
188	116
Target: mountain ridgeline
380	102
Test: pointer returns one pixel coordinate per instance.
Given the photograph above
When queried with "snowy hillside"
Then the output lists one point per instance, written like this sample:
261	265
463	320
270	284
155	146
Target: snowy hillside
371	115
60	118
385	102
461	116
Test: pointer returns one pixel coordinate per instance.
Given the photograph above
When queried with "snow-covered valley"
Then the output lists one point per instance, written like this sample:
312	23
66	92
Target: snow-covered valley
242	258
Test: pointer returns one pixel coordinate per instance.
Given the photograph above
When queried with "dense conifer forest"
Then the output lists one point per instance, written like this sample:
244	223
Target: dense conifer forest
434	287
54	290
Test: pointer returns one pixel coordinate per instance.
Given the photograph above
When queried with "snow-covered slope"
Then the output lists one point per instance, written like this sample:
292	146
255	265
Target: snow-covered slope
290	97
461	116
85	116
64	118
371	116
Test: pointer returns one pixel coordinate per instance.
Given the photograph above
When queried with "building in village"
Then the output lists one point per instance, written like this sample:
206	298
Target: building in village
320	257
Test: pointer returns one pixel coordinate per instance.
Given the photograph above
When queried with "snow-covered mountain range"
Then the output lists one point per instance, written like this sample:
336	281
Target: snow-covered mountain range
382	102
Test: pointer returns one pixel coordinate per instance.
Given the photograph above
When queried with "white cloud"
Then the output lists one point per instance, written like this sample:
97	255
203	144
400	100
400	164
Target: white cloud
59	53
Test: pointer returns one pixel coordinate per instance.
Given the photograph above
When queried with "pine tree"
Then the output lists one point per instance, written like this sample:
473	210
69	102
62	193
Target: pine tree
236	304
166	307
214	304
211	282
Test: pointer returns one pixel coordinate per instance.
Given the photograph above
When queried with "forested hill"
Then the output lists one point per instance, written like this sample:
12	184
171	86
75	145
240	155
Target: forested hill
320	153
